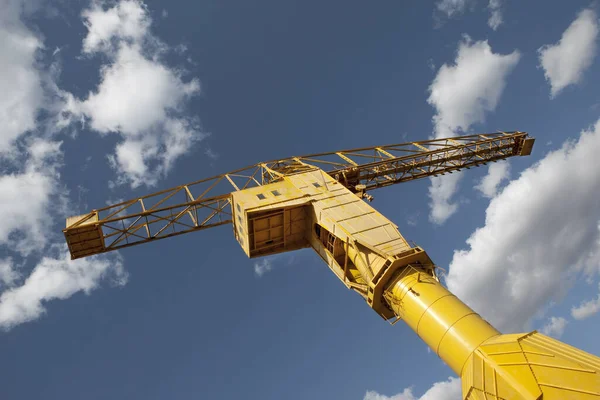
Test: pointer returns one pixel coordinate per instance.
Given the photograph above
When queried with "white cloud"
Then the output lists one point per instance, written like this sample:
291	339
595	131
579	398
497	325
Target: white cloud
25	201
55	278
128	20
496	18
267	263
21	91
413	219
452	8
211	154
263	266
139	97
431	64
555	327
446	390
462	93
441	192
29	199
30	191
540	232
405	395
8	274
28	196
497	173
565	62
156	90
587	308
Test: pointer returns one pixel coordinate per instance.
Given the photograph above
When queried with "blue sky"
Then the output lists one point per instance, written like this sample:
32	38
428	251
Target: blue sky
104	101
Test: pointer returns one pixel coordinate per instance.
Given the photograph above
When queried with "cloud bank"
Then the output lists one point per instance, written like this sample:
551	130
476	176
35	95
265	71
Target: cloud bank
565	62
541	232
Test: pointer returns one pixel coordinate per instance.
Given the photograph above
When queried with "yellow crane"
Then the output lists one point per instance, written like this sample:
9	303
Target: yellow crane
318	201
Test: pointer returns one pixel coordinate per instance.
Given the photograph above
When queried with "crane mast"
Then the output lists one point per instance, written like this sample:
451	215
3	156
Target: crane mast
317	201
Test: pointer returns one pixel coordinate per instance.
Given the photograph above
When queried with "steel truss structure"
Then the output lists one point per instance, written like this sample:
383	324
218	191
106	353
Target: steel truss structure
207	203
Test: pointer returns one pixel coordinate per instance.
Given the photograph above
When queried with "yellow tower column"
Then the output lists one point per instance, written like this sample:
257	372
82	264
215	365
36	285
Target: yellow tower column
527	366
446	324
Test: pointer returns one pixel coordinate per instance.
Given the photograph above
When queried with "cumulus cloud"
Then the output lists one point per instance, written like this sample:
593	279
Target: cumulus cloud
555	327
565	62
540	233
127	20
496	18
497	173
21	90
587	308
139	96
462	93
24	198
446	390
28	196
56	278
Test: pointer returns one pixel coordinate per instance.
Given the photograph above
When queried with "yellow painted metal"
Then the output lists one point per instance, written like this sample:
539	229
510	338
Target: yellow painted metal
491	365
86	238
292	203
368	254
269	219
207	203
527	147
530	366
446	324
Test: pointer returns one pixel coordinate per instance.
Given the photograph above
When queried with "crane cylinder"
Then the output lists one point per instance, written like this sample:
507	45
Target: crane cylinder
446	324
